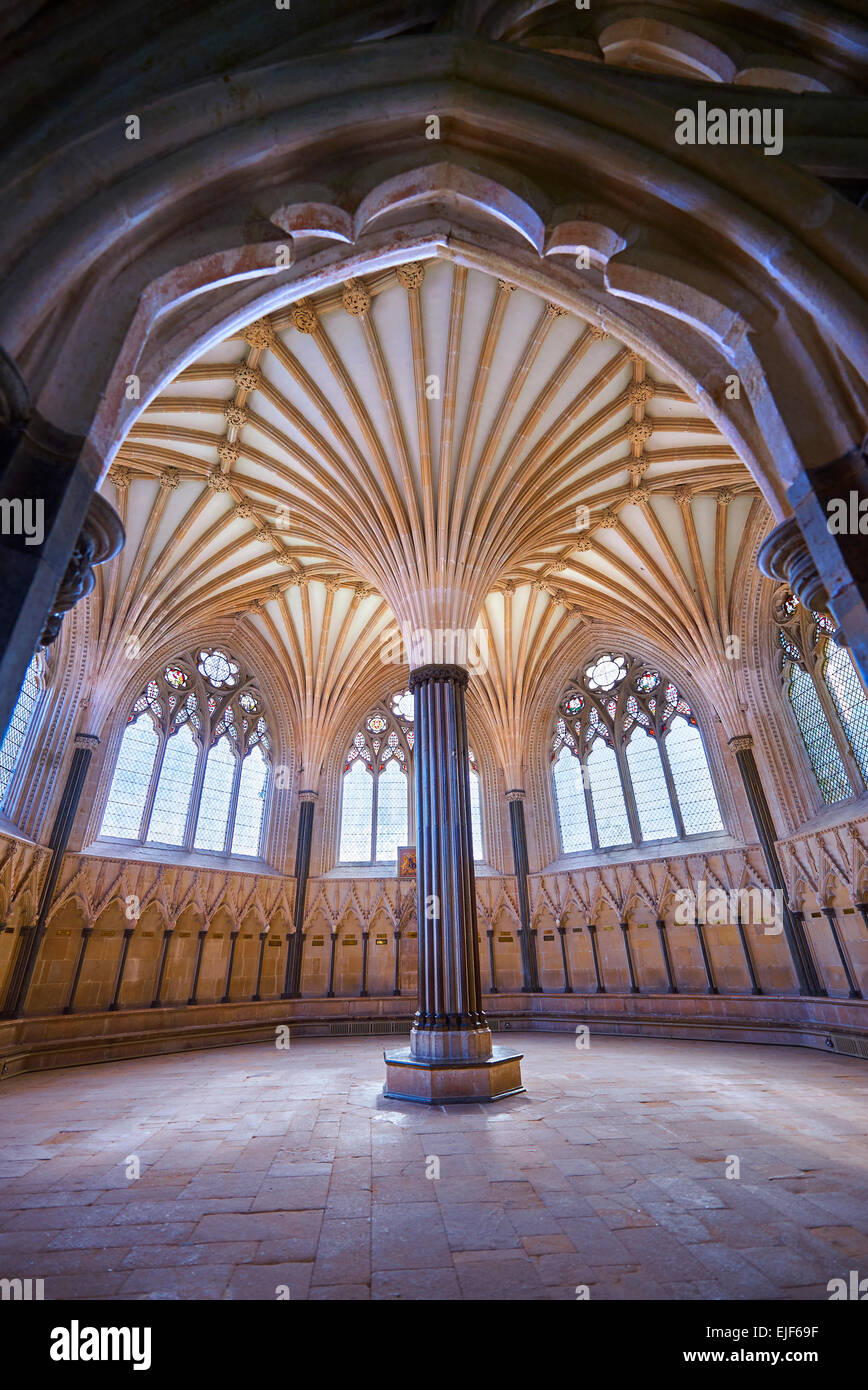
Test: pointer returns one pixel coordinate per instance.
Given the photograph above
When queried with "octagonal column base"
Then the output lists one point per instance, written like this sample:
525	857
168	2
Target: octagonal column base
453	1082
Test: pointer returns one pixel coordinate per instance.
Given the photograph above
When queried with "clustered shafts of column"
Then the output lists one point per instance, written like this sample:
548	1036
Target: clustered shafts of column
450	1022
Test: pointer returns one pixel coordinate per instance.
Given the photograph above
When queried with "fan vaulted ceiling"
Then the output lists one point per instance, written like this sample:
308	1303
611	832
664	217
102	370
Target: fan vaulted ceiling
430	429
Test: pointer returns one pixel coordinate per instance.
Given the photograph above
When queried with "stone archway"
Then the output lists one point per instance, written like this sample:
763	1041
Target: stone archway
723	269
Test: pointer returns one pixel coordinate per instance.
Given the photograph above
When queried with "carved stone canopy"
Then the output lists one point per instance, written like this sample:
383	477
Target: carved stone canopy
101	537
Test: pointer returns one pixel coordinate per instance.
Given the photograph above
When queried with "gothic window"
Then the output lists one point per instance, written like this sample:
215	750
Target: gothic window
22	714
192	768
475	807
376	800
628	761
826	697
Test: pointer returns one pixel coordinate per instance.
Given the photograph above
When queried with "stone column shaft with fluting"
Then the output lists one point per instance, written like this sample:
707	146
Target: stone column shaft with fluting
449	1021
450	1057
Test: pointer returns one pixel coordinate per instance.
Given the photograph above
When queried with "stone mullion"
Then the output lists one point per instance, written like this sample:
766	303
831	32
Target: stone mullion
667	961
670	787
627	791
829	914
195	797
233	803
375	799
152	789
589	801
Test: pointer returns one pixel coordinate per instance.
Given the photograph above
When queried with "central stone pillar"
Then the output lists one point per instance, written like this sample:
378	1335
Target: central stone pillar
450	1057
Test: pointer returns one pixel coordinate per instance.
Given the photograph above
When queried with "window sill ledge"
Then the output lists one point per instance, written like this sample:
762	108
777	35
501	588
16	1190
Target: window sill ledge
629	854
179	859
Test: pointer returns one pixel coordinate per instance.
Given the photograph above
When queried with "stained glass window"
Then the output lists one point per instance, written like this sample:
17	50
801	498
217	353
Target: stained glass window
217	668
252	791
476	810
169	815
826	697
607	797
175	744
613	737
693	785
656	820
356	810
131	781
391	812
216	798
571	805
16	732
818	738
851	704
376	802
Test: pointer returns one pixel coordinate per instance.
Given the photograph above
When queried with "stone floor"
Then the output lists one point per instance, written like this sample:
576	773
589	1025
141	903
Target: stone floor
263	1168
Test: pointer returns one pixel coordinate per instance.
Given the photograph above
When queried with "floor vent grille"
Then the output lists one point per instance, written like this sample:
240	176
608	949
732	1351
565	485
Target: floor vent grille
847	1046
352	1028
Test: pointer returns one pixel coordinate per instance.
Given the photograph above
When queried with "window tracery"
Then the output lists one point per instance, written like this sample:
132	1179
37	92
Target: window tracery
192	768
376	814
628	761
22	715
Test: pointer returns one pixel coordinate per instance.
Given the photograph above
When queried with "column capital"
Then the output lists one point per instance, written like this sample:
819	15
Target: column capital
516	794
90	741
420	675
307	796
741	743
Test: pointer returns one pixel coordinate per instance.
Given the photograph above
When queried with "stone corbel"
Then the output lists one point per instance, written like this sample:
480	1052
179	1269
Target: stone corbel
784	555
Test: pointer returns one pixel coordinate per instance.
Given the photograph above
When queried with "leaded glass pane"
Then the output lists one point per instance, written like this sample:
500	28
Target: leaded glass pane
122	819
251	804
818	738
571	806
13	741
613	827
356	811
656	821
850	702
169	816
693	785
215	799
391	812
476	815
